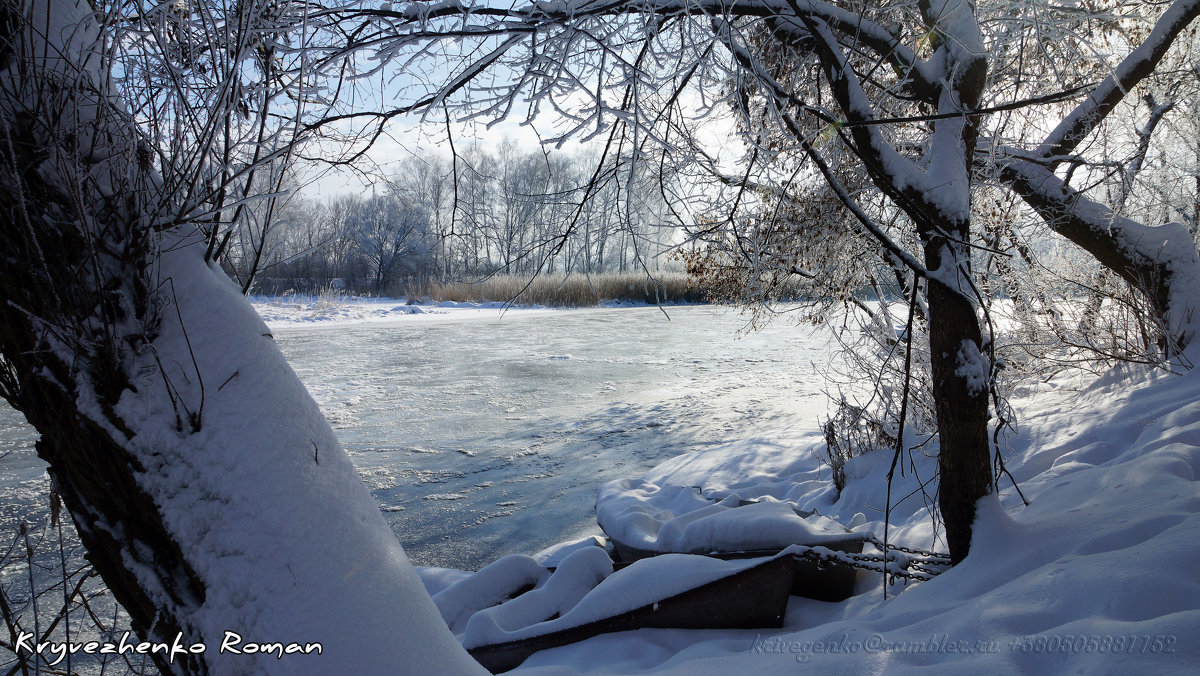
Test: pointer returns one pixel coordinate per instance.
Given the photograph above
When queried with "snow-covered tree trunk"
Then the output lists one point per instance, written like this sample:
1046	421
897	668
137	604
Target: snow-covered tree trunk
206	485
1160	261
936	195
959	366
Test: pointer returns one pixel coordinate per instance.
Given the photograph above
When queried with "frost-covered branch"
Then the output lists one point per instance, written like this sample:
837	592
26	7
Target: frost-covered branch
1134	68
1145	135
1161	261
561	38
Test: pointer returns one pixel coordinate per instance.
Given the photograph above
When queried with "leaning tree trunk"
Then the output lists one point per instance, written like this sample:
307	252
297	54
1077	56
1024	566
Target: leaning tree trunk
209	491
1161	262
76	306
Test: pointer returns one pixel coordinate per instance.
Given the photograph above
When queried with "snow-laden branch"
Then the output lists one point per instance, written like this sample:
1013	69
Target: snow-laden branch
1162	260
963	59
786	102
893	173
1134	68
896	254
1145	134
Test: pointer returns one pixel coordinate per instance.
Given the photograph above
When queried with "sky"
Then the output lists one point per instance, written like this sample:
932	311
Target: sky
409	137
403	79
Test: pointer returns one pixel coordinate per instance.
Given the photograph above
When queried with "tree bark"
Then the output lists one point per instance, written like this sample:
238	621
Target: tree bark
209	490
63	270
961	404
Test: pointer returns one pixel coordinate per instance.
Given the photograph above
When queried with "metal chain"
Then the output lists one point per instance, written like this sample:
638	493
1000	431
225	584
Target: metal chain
908	550
917	564
922	569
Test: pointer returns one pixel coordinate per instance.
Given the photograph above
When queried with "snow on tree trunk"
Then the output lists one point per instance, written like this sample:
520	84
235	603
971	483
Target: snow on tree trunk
937	198
207	486
1161	261
960	371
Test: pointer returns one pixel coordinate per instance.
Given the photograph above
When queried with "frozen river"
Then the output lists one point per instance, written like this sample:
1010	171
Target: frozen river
484	437
488	437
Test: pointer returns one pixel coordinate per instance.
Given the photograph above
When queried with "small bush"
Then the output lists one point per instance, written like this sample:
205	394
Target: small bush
851	432
329	298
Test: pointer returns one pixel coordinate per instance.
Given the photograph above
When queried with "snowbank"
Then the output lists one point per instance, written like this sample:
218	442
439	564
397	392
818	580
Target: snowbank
648	518
1096	575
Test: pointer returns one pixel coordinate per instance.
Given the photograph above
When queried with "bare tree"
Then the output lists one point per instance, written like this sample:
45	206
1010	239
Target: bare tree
387	230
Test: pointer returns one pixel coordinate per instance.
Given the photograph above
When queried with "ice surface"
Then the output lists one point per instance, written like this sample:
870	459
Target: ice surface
463	403
479	441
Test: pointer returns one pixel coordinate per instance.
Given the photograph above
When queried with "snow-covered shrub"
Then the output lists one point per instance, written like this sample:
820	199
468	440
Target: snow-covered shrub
851	432
329	298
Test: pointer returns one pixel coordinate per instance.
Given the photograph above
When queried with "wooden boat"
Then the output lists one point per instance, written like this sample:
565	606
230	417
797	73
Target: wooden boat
753	597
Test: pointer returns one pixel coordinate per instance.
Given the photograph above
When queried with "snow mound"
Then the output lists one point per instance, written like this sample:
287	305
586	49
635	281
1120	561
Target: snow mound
552	557
645	517
494	583
1096	575
438	579
576	576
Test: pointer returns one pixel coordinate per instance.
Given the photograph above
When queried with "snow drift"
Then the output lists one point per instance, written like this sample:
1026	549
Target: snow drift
1095	575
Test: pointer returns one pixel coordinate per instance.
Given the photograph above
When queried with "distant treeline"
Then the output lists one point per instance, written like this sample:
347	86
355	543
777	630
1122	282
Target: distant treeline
438	222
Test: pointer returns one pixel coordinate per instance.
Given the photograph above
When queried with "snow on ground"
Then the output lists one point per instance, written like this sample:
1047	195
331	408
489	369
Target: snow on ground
1096	575
337	310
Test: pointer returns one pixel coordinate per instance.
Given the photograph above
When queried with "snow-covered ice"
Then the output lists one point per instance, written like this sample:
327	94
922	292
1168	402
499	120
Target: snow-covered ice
480	439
